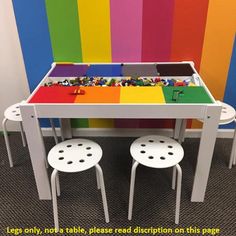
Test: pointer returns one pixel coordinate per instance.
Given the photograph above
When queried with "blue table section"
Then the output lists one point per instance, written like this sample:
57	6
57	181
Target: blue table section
104	70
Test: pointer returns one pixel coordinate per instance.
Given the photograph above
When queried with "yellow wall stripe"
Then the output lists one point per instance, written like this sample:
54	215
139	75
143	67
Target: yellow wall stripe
94	18
101	123
218	44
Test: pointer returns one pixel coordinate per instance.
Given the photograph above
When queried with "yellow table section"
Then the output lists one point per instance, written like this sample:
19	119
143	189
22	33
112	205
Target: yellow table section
141	95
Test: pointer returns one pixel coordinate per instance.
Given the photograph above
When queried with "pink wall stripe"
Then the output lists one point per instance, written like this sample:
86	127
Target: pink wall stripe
127	123
126	30
157	30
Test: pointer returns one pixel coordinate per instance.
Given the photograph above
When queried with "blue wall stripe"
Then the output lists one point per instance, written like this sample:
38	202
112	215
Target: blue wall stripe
230	90
35	40
31	20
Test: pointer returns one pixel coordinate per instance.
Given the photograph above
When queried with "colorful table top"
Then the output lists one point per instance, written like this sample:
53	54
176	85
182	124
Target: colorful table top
126	69
150	93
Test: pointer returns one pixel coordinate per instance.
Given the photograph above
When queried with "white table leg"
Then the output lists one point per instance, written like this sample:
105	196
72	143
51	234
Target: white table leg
178	123
182	131
37	150
205	153
233	151
66	132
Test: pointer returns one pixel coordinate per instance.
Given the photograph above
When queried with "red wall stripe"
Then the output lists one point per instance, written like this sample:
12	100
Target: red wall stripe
189	23
157	30
156	40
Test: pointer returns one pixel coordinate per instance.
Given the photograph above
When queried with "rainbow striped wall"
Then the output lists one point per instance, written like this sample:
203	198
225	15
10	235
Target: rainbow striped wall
126	30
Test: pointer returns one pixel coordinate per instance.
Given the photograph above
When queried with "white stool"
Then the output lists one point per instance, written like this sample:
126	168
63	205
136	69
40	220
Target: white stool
75	155
12	113
157	152
227	116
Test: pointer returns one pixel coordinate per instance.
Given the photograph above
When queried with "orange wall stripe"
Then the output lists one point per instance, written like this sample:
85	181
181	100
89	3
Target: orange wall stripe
218	44
189	24
188	30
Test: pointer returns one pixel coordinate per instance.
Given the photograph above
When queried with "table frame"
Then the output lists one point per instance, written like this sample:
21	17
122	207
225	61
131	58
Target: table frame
208	113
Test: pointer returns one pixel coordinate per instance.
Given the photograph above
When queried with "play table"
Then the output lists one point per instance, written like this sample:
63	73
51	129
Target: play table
121	90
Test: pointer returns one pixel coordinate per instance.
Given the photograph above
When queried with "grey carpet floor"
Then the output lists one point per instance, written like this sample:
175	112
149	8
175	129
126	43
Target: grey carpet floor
80	203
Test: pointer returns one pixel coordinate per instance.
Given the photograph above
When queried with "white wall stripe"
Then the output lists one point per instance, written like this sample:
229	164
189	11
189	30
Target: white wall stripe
13	79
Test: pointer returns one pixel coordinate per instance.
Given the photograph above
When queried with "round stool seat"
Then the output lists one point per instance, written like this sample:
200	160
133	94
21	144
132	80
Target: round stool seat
227	114
156	151
74	155
13	112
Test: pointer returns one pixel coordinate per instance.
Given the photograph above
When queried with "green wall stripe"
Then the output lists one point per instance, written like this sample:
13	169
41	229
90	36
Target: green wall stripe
63	24
64	31
79	123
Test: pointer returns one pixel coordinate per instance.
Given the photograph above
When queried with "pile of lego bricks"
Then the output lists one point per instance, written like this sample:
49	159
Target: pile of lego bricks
120	82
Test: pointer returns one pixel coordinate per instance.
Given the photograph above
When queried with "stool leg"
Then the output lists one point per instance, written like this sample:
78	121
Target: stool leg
58	185
62	134
174	178
53	130
54	200
182	131
133	161
131	192
178	193
46	163
97	177
178	123
234	142
103	191
234	162
7	141
233	151
22	134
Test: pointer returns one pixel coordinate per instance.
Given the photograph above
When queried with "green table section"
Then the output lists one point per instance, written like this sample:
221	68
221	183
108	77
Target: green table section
186	95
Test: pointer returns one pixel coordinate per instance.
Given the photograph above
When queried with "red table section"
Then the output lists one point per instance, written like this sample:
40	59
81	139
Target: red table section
63	94
57	94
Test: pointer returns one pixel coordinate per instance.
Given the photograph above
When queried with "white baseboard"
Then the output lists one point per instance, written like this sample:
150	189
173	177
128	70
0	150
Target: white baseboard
126	132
